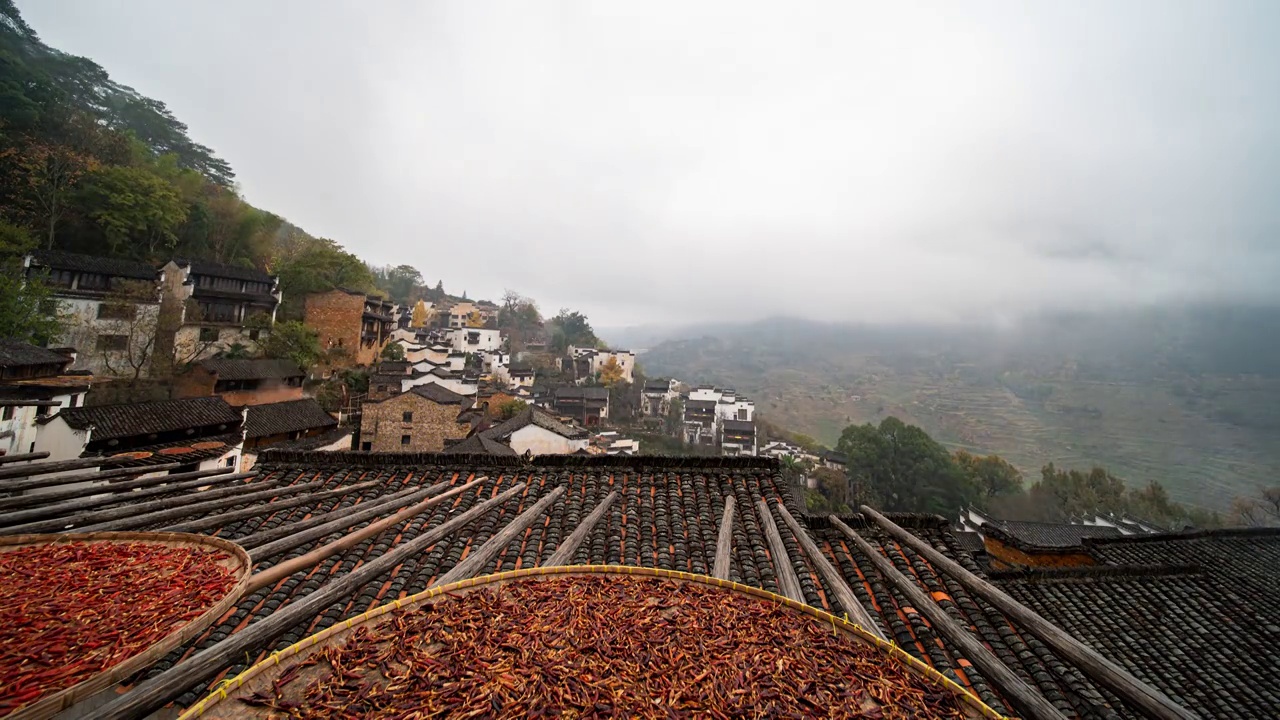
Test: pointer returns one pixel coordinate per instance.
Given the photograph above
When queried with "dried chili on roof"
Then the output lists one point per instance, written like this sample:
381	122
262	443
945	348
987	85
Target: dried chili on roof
602	647
70	610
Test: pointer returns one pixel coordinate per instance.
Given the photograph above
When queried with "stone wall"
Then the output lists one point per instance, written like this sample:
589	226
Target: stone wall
382	425
337	315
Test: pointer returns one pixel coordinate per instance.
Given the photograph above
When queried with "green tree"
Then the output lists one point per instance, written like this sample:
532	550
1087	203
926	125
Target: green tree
393	351
136	211
511	408
308	265
571	328
28	311
1071	492
900	468
236	351
399	282
293	341
992	475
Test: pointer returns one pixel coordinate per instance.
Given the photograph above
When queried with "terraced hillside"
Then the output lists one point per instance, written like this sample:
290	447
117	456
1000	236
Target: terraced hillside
1179	402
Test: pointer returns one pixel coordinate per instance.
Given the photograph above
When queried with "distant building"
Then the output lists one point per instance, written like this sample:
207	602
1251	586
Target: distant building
737	437
242	382
460	314
474	340
419	420
586	405
34	384
586	363
112	308
214	307
657	395
536	432
353	327
708	408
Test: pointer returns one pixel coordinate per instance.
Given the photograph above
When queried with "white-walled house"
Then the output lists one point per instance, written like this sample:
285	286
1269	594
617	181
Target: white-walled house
33	385
657	395
218	306
538	433
473	340
587	362
200	433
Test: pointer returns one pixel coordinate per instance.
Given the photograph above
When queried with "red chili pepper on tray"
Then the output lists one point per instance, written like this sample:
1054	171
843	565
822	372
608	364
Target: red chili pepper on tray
71	610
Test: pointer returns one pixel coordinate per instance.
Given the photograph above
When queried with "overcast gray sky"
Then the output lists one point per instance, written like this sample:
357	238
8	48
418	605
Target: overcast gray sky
664	162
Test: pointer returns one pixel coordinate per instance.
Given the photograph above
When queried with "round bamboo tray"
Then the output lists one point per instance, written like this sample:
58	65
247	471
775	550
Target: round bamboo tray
237	561
222	703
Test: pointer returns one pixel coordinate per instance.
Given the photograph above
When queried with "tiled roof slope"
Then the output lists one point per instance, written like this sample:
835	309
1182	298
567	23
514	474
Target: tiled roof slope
117	267
533	416
204	267
1197	615
1046	534
15	353
286	417
116	421
257	369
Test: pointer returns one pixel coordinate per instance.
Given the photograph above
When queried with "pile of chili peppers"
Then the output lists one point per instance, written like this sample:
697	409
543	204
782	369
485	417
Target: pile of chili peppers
70	610
608	646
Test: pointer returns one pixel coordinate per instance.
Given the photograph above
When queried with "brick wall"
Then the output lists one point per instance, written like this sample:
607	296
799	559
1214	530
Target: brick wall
382	424
336	315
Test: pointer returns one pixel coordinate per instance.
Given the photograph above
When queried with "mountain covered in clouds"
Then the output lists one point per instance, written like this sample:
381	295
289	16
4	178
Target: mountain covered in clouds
1186	396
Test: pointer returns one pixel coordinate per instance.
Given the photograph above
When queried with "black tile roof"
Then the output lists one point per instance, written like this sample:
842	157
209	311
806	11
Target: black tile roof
479	445
286	417
15	353
440	394
1045	534
584	393
657	385
118	421
235	272
115	267
738	426
317	441
970	541
262	369
533	416
394	367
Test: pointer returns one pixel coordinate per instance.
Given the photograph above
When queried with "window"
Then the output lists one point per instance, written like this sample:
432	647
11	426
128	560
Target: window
117	311
219	312
208	334
113	343
42	411
405	439
94	281
366	446
231	461
255	334
8	413
408	416
742	413
382	388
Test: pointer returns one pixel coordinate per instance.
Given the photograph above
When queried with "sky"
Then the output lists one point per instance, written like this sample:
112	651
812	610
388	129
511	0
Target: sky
663	162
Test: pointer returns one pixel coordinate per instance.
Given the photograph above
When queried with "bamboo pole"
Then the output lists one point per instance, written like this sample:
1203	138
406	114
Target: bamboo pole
46	481
22	457
131	510
44	498
285	569
289	536
218	520
23	471
70	507
1024	698
153	694
567	549
724	542
788	583
836	582
479	558
172	513
1115	678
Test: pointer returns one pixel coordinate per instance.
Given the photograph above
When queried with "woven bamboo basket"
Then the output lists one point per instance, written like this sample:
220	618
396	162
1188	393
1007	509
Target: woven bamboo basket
223	702
237	561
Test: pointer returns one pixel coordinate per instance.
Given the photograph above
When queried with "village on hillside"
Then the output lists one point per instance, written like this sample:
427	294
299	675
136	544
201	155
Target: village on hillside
186	365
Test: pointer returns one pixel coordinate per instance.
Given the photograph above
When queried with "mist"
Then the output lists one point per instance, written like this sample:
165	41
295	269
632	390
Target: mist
661	162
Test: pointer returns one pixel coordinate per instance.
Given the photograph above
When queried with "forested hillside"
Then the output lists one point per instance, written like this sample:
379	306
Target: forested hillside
1186	397
90	165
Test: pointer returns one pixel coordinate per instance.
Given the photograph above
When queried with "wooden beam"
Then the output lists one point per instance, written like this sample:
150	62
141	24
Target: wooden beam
175	511
23	471
1115	678
133	509
724	543
831	576
290	535
22	457
155	693
71	507
100	485
788	583
1024	698
43	481
271	506
285	569
478	558
567	549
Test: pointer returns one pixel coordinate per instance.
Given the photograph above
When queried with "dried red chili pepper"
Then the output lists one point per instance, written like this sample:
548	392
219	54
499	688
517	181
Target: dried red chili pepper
71	610
603	647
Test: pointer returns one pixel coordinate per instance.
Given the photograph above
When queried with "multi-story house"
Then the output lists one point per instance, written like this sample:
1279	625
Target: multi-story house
706	410
460	314
474	340
353	327
586	405
33	385
737	437
419	420
657	395
111	306
586	363
212	307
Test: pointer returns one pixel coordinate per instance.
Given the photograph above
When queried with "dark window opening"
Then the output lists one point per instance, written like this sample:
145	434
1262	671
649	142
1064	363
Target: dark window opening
405	439
366	446
408	417
8	413
255	334
208	334
117	311
112	343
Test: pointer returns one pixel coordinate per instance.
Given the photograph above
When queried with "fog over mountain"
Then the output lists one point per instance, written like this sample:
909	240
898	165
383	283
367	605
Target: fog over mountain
732	161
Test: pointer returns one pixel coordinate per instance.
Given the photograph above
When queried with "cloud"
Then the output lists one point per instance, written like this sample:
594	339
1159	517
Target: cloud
729	160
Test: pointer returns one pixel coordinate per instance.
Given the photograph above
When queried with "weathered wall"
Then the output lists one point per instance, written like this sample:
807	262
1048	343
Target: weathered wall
382	424
541	441
336	316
